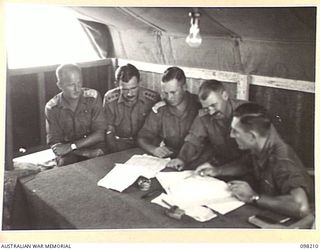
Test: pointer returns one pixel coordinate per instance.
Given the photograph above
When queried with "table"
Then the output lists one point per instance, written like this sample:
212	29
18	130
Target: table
68	198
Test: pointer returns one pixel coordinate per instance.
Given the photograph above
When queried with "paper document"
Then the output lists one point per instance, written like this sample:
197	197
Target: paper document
199	213
187	189
124	175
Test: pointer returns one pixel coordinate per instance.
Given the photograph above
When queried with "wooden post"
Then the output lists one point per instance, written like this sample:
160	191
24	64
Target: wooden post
42	103
243	87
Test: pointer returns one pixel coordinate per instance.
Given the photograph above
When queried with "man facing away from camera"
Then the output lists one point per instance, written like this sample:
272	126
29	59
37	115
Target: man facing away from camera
75	123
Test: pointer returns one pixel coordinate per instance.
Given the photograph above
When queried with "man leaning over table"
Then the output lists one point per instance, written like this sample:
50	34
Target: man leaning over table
208	138
281	182
75	123
169	121
126	108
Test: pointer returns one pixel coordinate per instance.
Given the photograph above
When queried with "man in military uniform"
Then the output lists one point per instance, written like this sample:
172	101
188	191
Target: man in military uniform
75	123
169	121
126	108
281	182
208	138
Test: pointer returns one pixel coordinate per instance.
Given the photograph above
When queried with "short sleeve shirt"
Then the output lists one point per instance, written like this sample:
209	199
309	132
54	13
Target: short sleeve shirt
213	132
165	125
64	125
277	169
127	120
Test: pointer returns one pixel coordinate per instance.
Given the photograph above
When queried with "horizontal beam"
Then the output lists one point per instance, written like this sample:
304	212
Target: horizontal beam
281	83
48	68
225	76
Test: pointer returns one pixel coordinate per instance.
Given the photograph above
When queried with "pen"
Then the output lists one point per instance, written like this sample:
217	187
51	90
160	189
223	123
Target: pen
166	203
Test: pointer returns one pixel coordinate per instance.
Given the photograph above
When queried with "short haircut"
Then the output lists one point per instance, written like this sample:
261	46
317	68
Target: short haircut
126	72
253	117
66	68
174	73
208	86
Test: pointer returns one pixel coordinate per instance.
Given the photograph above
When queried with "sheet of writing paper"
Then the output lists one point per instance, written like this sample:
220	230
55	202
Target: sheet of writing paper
148	165
120	177
124	175
226	205
188	189
199	213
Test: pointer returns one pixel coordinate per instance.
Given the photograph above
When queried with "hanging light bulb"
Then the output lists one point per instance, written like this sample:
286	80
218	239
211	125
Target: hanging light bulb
194	39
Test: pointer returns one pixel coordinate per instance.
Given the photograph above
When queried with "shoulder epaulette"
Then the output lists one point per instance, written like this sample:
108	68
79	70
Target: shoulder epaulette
112	95
90	93
202	112
151	95
52	103
158	105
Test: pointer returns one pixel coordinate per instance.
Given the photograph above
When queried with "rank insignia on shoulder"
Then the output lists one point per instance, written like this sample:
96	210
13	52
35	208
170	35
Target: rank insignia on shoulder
158	105
90	93
112	95
202	112
153	96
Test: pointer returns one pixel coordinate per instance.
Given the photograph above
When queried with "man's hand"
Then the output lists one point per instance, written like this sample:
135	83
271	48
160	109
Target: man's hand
162	152
176	164
89	153
206	169
241	190
61	149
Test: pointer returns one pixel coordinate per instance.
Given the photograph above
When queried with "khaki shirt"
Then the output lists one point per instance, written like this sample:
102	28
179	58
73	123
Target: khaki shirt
125	119
64	125
278	170
164	124
212	134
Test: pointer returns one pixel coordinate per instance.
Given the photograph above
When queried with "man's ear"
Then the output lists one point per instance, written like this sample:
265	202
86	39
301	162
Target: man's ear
59	85
225	95
254	134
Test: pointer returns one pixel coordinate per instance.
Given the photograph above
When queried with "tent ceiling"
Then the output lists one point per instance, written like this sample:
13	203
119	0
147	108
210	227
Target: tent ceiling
273	24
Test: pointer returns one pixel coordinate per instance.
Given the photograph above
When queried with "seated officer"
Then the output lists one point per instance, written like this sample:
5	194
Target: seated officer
166	126
208	138
280	181
126	108
75	123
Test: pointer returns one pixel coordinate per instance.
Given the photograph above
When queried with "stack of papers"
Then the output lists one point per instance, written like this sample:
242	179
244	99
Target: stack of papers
190	191
124	175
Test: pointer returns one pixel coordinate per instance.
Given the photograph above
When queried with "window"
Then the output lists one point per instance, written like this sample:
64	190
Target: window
38	35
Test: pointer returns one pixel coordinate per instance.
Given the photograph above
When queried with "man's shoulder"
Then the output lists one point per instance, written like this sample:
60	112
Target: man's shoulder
53	102
112	95
159	107
90	93
149	94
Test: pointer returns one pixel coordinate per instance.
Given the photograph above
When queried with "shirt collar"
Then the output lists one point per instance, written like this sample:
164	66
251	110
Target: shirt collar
140	96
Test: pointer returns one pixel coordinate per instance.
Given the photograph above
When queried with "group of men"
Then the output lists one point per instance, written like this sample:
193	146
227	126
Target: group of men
211	133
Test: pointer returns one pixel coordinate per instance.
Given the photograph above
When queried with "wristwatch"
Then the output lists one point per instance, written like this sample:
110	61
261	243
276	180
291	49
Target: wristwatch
73	146
254	199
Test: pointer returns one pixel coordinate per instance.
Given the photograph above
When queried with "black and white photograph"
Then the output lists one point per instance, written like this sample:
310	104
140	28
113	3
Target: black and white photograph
152	117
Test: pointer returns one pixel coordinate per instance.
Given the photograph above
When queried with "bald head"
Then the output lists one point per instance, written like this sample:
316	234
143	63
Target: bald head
64	70
69	80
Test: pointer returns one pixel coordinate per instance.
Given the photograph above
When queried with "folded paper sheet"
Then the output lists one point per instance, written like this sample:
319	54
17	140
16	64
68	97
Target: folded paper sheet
187	189
124	175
